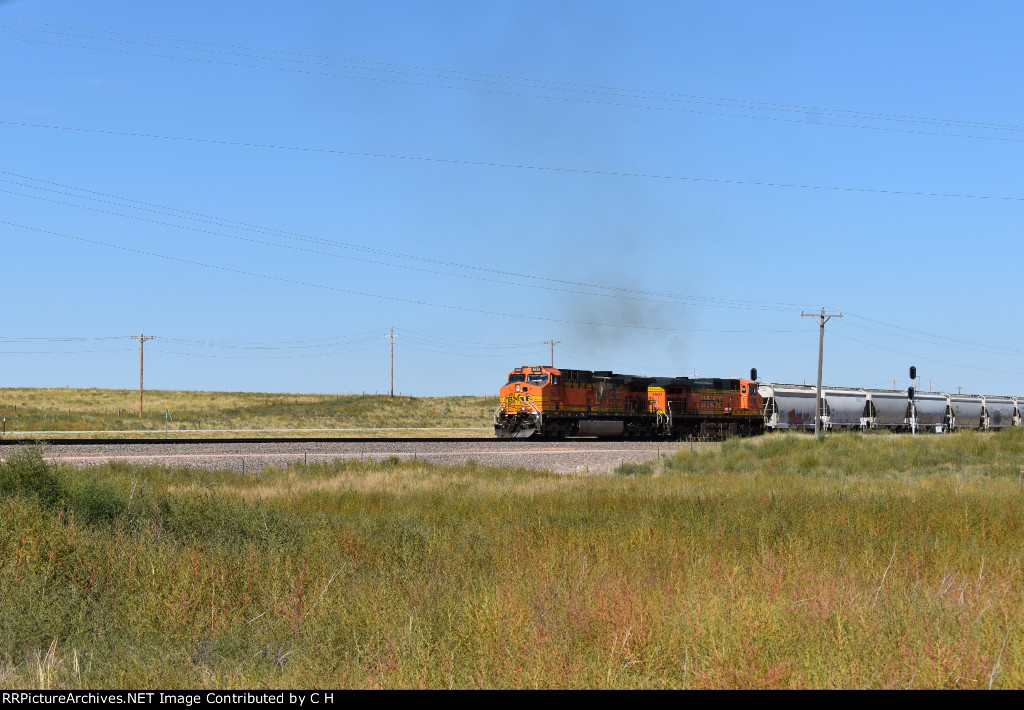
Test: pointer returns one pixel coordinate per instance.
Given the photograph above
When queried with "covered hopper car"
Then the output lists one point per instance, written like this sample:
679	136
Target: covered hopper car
792	407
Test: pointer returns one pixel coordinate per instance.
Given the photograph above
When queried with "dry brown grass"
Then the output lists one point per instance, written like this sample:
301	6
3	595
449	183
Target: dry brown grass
225	413
883	562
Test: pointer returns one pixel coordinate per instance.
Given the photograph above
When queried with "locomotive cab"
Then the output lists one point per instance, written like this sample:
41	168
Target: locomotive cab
749	399
522	400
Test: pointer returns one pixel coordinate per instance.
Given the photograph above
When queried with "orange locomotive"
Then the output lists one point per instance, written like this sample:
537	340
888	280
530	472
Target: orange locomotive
541	401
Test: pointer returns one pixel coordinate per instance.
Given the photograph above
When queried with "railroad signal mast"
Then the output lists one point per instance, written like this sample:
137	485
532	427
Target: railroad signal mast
910	395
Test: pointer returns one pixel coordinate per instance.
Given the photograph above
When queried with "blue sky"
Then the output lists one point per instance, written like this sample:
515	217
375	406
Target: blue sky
663	187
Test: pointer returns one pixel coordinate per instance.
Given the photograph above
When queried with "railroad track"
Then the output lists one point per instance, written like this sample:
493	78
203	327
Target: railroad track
249	455
9	441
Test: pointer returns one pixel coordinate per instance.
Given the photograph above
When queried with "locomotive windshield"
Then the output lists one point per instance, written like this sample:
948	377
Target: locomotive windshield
516	378
538	379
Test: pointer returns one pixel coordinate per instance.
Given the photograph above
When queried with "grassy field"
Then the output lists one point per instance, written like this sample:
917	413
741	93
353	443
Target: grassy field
93	410
859	561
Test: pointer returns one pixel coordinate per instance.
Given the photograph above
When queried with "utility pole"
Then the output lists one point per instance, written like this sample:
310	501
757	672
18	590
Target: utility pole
894	381
821	319
142	338
392	336
958	388
552	343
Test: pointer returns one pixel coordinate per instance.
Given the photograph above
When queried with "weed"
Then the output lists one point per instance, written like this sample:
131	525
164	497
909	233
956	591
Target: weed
25	472
855	561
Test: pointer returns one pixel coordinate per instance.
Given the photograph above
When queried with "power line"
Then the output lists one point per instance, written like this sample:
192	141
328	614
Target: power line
945	339
454	347
396	299
519	166
523	82
587	357
164	209
65	352
61	339
264	357
702	301
363	336
273	348
803	108
917	356
456	353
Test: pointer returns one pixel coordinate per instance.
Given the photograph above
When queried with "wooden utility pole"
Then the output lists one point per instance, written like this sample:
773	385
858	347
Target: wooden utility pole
142	338
552	343
392	336
821	320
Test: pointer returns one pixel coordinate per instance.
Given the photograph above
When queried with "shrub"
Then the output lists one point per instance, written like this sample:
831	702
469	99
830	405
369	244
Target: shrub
207	518
634	469
95	501
26	472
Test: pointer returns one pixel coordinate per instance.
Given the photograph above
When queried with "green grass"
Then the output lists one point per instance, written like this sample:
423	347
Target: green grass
93	410
859	561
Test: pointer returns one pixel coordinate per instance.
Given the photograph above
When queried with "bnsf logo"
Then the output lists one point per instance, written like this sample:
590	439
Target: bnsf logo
512	399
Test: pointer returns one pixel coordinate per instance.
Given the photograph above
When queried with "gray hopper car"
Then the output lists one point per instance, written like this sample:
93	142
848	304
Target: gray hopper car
793	407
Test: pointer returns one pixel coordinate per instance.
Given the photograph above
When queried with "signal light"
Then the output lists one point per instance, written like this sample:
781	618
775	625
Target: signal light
753	373
913	372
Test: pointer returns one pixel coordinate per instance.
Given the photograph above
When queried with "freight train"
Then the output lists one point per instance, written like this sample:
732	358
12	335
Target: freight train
542	401
548	402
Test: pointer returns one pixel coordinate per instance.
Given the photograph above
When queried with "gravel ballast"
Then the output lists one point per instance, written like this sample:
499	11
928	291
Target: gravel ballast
574	456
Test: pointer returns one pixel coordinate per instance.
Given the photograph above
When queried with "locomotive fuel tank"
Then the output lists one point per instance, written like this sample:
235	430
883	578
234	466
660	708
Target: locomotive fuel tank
590	427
